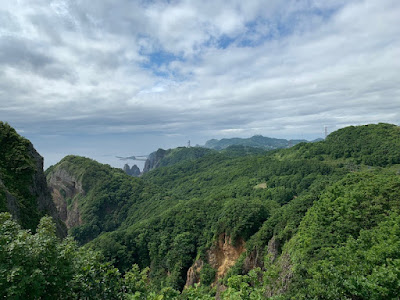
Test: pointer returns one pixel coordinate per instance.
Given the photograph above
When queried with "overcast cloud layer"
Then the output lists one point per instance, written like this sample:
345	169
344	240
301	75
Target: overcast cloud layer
161	72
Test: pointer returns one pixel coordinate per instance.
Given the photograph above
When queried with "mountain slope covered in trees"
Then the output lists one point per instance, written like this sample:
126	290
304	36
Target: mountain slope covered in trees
316	221
163	158
257	141
23	189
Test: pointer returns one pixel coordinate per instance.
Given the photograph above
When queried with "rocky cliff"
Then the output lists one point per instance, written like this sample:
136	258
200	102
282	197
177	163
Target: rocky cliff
221	257
23	188
224	254
64	188
164	158
154	159
91	198
134	171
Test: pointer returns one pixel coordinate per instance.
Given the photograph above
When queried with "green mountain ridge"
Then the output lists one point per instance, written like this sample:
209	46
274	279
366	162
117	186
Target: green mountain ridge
92	197
315	221
163	158
257	141
169	157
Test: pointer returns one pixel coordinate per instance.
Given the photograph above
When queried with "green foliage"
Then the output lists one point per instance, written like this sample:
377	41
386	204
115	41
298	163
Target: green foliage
365	268
245	287
3	200
242	217
207	274
197	292
39	266
183	154
317	220
17	168
359	201
240	150
108	195
344	248
257	141
199	200
373	145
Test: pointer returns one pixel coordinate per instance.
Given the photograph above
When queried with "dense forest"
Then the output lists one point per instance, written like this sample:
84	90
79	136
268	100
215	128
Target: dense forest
315	221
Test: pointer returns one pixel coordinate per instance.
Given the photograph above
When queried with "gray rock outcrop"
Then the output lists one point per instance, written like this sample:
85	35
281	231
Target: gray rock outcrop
64	188
134	171
154	160
40	189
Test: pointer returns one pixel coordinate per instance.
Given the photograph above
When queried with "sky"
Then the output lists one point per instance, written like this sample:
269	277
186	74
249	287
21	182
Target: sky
123	77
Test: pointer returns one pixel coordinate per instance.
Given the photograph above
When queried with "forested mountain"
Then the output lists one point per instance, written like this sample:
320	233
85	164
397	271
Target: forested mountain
316	221
257	141
162	158
373	145
91	197
23	189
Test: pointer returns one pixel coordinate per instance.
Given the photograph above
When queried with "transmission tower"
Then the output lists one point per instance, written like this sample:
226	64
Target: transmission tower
326	131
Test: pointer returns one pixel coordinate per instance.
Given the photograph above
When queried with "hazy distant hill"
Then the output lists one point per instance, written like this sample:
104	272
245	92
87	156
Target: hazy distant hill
257	141
163	158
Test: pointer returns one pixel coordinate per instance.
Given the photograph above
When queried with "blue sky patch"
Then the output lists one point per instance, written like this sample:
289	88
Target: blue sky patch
158	62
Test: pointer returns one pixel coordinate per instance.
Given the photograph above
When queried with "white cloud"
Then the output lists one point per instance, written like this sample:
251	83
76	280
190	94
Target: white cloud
86	66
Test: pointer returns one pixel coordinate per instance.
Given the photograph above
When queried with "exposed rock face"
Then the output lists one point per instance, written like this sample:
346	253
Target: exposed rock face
224	255
64	188
281	284
253	260
11	202
273	248
154	160
193	274
134	171
40	188
23	189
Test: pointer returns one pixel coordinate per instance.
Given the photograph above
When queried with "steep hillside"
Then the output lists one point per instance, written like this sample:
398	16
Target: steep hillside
90	197
372	145
257	141
211	203
347	244
133	171
23	189
240	150
251	225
